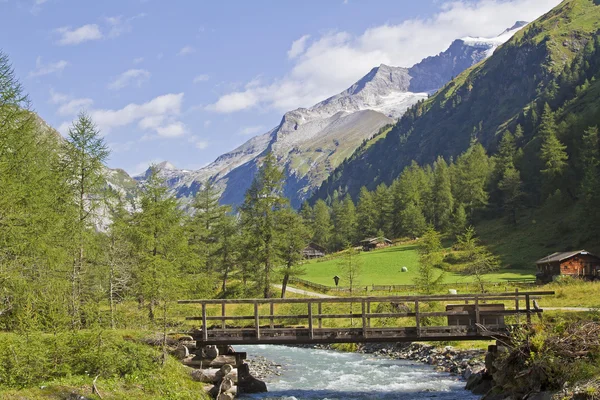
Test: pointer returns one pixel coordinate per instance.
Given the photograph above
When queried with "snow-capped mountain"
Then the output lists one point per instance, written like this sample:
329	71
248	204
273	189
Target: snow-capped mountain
309	143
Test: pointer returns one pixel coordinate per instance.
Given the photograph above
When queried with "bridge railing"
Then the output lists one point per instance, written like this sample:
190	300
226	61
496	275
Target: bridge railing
468	316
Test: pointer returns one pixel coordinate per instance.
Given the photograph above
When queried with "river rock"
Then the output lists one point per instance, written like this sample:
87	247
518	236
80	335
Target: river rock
247	383
225	396
474	380
483	387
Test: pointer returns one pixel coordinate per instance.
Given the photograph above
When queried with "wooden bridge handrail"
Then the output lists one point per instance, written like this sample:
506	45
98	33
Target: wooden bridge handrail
476	312
374	299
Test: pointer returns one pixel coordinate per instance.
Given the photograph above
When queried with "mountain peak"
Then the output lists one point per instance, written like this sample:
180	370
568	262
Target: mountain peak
517	25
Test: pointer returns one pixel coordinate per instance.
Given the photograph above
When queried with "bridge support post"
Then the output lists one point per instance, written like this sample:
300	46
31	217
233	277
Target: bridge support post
528	308
256	320
223	326
417	319
477	316
320	311
517	305
204	327
310	321
364	318
272	311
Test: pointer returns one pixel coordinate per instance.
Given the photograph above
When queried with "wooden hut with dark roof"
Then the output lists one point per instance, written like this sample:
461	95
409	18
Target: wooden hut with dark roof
579	263
313	250
375	243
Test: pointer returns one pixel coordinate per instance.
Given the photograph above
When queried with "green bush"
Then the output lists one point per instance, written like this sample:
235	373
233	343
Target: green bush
27	360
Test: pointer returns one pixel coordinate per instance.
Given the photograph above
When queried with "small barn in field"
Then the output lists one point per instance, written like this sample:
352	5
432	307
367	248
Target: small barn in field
579	263
375	243
313	250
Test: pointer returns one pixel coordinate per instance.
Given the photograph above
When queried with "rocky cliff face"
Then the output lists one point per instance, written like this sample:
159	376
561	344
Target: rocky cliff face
311	142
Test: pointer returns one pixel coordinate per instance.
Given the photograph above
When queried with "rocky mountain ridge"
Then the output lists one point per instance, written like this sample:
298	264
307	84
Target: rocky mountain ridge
311	142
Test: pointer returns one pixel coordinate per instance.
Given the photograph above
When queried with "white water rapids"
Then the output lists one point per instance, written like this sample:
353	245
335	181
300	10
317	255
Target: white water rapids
329	375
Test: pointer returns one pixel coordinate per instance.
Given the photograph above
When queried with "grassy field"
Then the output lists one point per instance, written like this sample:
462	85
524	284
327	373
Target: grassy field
384	267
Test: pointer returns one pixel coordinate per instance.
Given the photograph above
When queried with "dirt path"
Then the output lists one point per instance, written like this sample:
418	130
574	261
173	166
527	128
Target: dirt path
304	292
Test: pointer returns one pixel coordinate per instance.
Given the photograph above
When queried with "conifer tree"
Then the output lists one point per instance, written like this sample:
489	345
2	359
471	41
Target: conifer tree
322	226
442	199
589	191
227	247
292	239
208	214
365	213
83	163
512	195
428	278
263	199
478	259
383	208
472	174
35	217
160	244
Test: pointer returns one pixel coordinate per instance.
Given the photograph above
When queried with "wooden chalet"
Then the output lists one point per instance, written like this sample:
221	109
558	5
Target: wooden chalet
375	243
579	263
313	250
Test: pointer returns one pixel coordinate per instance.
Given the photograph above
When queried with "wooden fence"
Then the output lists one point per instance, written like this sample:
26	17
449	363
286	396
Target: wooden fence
510	283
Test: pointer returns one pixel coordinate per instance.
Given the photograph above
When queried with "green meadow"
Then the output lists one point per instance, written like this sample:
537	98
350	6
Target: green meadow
384	267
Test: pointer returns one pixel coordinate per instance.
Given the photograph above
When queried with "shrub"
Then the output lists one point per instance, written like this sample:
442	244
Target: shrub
27	360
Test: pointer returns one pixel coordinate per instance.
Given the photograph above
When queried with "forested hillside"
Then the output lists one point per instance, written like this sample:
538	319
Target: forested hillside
541	86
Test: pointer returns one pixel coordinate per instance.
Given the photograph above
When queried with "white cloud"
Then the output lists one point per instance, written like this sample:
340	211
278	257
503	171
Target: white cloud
159	115
58	98
138	60
252	130
47	69
68	105
235	101
82	34
74	106
335	60
298	47
119	25
207	123
198	142
201	78
132	76
186	50
121	147
174	129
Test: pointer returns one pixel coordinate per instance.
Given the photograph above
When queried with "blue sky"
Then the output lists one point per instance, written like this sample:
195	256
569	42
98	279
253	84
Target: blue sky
186	81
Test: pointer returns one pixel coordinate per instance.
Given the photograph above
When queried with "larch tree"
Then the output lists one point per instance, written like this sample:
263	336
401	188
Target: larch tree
35	218
428	278
365	213
472	173
207	214
322	226
293	237
553	154
84	154
263	199
442	199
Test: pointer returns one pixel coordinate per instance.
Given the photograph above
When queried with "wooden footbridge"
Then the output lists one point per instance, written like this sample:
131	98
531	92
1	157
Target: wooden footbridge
368	319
